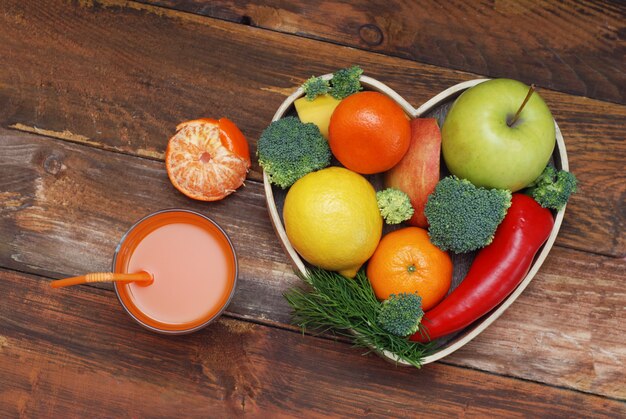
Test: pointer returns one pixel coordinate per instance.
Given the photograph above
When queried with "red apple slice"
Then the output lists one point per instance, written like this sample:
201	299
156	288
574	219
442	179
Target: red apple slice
417	173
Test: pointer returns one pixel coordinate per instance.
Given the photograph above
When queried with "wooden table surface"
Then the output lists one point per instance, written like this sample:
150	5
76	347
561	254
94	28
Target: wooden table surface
90	92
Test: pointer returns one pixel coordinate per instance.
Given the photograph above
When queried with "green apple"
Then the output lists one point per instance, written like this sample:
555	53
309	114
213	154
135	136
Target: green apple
484	143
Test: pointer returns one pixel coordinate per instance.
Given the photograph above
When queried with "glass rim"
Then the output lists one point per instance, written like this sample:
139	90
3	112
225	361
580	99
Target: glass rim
208	321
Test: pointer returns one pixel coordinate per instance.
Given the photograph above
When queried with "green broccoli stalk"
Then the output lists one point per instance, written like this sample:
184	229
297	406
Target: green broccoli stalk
394	205
401	314
462	217
552	189
289	149
345	82
314	87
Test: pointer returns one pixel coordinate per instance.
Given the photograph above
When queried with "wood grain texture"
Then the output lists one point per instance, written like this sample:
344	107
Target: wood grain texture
74	353
575	46
66	206
121	77
569	323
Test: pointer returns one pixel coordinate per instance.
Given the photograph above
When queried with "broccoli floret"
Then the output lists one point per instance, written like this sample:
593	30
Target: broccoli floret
314	87
462	217
394	205
345	82
552	189
401	314
289	149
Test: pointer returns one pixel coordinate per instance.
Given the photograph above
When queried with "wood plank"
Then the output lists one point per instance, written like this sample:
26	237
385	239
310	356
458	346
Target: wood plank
121	78
73	352
568	324
551	44
67	205
65	208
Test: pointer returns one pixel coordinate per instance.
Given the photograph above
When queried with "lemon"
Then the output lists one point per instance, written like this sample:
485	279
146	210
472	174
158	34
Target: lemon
332	219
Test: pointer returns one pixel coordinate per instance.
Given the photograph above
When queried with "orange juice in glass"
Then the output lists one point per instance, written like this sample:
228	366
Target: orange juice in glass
193	264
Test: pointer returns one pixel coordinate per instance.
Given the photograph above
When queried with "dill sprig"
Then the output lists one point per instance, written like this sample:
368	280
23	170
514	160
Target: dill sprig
348	307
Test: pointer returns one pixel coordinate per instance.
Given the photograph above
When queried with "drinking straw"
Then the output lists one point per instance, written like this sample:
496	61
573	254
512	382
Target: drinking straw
103	277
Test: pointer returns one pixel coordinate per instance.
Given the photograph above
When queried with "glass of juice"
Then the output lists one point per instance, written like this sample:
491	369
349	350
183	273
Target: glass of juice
194	266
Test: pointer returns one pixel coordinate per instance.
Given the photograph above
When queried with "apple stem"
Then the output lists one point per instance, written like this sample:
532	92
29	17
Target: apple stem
519	111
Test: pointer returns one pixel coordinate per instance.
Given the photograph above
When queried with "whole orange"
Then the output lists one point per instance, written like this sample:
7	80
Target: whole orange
369	132
405	261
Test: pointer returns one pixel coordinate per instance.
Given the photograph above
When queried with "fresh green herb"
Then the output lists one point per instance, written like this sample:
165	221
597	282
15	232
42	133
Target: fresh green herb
553	188
315	86
401	314
394	205
462	217
346	82
289	149
348	307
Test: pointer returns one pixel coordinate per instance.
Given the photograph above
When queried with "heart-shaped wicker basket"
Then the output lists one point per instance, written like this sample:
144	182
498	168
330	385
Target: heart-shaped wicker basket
436	107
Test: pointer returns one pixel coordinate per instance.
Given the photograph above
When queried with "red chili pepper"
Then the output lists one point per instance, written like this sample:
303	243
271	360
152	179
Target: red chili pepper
496	271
